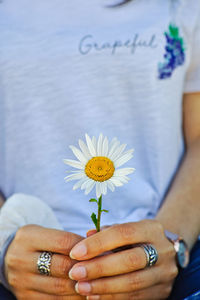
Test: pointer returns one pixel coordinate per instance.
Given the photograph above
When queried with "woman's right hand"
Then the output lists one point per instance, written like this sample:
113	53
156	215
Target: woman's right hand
21	264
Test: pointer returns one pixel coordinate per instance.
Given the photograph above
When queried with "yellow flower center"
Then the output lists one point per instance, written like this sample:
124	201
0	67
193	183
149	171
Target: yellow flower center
99	168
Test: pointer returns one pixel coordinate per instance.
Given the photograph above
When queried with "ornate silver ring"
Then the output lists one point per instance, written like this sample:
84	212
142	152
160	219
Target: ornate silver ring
151	254
44	263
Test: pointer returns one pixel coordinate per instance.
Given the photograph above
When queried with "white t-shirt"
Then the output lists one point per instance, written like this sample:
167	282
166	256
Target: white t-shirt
70	67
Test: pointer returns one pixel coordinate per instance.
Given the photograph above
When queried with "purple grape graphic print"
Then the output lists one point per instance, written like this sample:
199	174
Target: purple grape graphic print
174	55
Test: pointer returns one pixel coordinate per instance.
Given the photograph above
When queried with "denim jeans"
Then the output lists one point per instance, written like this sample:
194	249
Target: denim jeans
187	284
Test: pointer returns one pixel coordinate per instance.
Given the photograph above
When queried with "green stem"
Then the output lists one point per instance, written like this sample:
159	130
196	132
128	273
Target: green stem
99	213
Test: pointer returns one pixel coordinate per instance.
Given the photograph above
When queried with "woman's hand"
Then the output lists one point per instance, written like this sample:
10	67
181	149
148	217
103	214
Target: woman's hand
123	274
21	264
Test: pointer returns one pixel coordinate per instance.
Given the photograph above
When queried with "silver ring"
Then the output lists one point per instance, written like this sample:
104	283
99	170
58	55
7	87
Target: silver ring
44	263
151	254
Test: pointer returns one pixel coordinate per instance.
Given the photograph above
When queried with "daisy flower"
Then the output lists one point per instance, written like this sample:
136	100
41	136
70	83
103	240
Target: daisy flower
98	163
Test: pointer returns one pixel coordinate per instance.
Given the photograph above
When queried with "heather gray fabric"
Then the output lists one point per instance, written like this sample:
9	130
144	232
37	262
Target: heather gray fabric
20	210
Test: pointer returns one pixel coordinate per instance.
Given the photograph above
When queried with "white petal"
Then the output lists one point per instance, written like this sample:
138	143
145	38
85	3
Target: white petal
105	147
98	189
94	142
110	185
76	176
89	187
78	154
118	151
124	158
89	183
115	181
84	149
114	140
99	145
85	184
104	187
72	171
122	179
112	149
123	171
90	145
74	163
79	183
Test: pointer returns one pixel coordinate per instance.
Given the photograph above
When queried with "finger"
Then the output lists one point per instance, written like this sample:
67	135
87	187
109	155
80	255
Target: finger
60	265
49	285
119	263
45	239
120	284
155	292
32	295
117	236
91	232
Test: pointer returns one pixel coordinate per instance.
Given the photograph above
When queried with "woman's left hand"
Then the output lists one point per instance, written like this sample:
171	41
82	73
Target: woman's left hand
123	274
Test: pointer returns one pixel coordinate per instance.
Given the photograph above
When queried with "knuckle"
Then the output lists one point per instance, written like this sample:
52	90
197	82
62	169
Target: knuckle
103	288
24	232
99	244
135	296
132	261
14	280
99	268
125	231
64	266
20	233
64	242
12	260
59	286
135	282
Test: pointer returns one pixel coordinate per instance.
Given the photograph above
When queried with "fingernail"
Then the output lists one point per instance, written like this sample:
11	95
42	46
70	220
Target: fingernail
77	273
91	232
83	288
96	297
78	251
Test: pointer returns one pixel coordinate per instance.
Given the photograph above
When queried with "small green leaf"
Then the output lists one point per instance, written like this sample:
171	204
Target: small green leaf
105	210
93	200
174	31
94	219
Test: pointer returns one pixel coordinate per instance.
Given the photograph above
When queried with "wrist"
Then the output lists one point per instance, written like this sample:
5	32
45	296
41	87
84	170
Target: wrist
179	228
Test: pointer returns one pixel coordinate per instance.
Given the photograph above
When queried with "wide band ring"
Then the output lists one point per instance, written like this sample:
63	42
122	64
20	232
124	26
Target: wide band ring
151	254
44	263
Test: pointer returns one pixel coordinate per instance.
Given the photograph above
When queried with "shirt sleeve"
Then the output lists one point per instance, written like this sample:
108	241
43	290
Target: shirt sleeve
2	259
17	211
192	82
